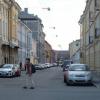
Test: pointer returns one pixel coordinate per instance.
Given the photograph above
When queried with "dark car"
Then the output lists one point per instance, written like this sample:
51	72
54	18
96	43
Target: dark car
66	64
1	65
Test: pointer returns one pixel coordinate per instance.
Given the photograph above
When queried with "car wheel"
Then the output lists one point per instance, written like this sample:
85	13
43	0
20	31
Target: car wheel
11	76
68	83
90	83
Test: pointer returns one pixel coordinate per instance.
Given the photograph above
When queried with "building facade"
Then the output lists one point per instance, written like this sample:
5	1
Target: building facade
35	24
90	34
74	49
9	10
49	53
27	47
34	52
61	55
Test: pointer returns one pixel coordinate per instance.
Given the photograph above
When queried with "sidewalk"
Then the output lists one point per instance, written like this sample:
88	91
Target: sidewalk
96	79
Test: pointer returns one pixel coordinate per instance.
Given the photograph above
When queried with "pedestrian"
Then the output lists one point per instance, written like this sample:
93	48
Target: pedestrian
30	69
20	64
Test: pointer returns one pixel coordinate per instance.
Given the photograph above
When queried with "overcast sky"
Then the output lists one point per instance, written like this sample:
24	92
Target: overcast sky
64	16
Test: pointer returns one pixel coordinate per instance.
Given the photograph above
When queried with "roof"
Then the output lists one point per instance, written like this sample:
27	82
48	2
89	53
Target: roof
24	15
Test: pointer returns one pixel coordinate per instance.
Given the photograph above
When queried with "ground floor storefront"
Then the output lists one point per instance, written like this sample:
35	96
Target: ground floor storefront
8	55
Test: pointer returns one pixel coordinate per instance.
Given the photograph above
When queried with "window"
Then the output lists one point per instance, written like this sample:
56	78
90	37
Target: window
81	54
91	39
97	5
91	16
97	32
87	39
91	34
0	13
77	44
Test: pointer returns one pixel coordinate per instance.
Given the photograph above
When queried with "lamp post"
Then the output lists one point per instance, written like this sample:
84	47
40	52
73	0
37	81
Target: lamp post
48	8
52	27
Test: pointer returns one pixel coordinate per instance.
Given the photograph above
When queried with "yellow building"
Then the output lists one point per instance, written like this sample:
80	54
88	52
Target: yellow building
90	34
48	52
14	9
8	31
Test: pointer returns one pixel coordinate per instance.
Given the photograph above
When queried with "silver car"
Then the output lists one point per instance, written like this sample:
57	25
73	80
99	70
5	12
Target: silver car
78	73
7	70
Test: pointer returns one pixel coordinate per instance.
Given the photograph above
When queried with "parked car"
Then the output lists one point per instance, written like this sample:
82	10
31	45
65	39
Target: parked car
1	65
78	73
66	64
17	70
48	65
54	64
7	70
38	67
42	66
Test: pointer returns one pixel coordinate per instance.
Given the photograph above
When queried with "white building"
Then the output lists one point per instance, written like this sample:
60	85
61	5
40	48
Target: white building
74	49
25	43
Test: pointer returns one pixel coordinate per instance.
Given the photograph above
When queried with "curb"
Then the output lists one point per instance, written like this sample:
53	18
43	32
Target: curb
96	84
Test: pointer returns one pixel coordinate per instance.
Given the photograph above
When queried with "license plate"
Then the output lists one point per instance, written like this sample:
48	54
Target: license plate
80	76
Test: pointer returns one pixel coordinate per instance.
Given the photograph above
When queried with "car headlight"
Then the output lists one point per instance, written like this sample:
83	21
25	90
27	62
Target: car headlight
89	75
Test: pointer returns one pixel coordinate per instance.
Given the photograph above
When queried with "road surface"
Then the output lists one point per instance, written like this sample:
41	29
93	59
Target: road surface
48	86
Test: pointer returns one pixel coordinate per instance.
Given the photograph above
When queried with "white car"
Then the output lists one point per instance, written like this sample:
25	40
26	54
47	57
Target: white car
48	65
7	70
78	73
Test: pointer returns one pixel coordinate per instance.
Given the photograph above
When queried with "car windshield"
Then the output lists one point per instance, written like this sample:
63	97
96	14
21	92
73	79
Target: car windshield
79	68
7	66
16	65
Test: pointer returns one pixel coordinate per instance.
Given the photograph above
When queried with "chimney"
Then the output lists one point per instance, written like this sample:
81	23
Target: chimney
26	10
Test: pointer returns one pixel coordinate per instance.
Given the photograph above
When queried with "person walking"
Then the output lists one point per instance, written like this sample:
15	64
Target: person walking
30	69
20	64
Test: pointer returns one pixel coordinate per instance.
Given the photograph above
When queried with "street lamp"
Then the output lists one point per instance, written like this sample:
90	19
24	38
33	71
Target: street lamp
48	8
52	27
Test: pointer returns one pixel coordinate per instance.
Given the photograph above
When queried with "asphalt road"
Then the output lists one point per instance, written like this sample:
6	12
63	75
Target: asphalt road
48	86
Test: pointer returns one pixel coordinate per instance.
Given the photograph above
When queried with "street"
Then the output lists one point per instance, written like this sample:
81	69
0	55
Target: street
49	85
